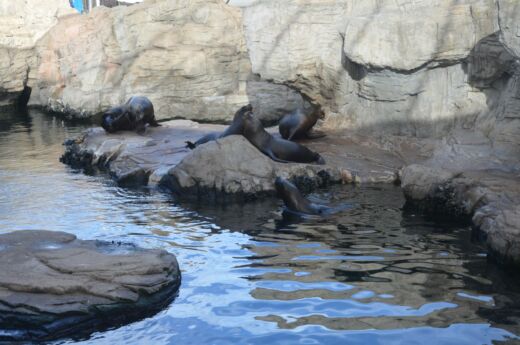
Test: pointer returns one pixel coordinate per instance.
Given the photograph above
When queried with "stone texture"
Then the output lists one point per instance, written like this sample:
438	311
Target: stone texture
53	285
509	19
228	166
233	166
22	24
487	198
188	57
409	68
130	158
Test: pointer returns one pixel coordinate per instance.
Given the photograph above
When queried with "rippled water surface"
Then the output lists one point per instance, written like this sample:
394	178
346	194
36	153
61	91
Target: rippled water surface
371	275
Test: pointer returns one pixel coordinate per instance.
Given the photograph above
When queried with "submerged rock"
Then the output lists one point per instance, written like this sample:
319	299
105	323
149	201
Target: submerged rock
53	285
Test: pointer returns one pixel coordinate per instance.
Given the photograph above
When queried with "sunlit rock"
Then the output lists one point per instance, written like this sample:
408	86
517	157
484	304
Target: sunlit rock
22	24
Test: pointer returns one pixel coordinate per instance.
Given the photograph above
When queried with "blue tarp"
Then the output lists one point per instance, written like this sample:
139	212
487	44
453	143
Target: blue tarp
78	5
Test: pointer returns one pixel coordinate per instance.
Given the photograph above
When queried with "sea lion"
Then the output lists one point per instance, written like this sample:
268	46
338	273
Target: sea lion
295	203
294	200
279	150
133	115
297	125
235	128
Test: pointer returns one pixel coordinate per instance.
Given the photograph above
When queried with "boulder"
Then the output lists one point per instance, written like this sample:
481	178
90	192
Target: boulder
54	285
233	166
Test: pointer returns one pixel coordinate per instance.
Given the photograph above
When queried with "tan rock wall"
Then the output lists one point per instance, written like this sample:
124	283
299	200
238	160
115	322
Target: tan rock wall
22	23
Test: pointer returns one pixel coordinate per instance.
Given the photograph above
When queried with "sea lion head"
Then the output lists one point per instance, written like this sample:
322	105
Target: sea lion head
111	118
251	122
242	111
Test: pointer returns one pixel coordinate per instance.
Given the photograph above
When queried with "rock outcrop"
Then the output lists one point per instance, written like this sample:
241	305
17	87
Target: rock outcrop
489	199
22	24
188	58
54	285
229	166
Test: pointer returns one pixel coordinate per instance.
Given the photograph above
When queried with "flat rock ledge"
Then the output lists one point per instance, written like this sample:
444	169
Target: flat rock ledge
53	285
488	199
228	167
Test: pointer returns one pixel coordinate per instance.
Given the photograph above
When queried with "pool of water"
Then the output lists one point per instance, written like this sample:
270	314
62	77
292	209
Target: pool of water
370	275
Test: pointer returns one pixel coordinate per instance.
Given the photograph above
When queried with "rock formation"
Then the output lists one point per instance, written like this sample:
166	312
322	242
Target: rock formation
22	24
229	166
188	58
54	285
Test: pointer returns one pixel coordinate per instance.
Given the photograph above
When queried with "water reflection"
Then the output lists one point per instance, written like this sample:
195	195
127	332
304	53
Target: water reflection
370	275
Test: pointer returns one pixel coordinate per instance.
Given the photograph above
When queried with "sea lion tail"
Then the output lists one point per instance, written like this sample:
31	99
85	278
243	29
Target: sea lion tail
190	145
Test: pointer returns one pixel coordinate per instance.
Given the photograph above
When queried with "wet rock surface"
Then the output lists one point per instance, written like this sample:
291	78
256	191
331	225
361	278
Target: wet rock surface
228	166
488	199
53	284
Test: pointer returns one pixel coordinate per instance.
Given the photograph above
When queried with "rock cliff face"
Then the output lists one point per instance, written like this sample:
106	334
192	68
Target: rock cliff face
188	57
22	23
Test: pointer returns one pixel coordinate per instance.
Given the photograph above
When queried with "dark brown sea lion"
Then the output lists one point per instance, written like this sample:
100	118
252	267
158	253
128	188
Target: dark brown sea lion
133	115
294	200
279	150
297	125
297	204
236	127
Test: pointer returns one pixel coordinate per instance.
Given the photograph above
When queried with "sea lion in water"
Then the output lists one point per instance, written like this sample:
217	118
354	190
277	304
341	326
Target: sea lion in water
133	115
279	150
297	204
294	200
297	125
236	127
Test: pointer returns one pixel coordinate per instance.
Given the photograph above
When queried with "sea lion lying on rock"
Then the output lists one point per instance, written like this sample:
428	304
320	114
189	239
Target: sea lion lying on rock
297	125
279	150
296	203
236	127
133	115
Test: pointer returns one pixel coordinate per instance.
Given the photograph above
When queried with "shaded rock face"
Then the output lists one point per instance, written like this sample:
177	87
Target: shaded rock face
22	23
420	69
489	199
53	285
188	57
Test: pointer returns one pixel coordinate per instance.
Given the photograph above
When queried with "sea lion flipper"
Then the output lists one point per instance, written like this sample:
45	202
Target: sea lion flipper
154	123
276	159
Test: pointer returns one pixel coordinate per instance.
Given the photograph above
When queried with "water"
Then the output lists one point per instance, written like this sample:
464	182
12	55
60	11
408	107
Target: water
371	275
